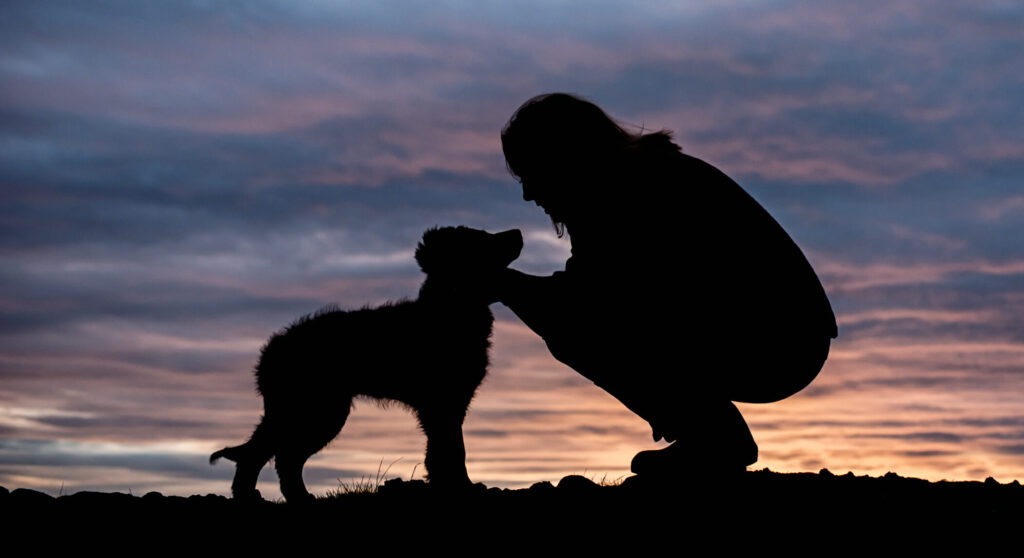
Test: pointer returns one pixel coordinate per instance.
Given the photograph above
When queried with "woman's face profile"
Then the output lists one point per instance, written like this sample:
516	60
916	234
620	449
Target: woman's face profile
547	189
536	190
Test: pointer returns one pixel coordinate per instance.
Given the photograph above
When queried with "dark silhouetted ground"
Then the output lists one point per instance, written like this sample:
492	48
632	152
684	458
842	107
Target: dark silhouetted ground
759	510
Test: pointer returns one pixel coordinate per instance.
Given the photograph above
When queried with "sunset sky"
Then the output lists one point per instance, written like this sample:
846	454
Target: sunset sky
178	180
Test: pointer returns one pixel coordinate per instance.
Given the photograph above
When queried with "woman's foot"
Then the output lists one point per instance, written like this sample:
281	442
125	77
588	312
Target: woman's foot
676	459
711	438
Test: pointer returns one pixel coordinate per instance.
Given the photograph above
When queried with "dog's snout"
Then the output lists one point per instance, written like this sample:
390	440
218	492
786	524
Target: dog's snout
514	235
512	240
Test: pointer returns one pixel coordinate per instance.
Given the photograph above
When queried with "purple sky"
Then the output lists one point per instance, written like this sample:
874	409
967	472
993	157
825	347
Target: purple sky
179	180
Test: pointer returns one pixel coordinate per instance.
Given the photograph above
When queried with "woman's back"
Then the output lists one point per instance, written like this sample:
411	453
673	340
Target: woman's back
683	235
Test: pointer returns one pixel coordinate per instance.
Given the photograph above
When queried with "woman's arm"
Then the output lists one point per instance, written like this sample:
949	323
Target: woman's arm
540	302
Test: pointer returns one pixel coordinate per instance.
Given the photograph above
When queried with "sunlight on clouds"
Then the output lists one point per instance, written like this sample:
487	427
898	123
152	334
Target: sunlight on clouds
809	159
24	418
118	448
899	414
922	314
938	241
129	335
400	258
849	276
1009	207
35	412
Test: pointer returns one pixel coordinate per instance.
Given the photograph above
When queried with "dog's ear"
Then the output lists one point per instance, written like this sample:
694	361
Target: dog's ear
424	253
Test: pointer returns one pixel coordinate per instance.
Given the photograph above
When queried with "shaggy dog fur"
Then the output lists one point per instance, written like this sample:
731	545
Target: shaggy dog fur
429	354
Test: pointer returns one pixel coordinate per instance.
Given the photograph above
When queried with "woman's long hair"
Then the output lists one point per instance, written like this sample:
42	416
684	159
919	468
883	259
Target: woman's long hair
556	133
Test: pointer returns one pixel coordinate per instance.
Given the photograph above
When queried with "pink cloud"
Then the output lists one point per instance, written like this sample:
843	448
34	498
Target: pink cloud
843	277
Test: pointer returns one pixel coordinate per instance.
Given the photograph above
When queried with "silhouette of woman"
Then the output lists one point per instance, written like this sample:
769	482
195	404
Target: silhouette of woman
682	293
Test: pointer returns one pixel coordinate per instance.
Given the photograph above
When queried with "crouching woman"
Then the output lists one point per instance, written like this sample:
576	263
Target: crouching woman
682	294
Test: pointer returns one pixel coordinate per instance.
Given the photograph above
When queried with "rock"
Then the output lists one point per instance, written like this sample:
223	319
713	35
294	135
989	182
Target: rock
97	500
28	497
400	487
576	483
543	486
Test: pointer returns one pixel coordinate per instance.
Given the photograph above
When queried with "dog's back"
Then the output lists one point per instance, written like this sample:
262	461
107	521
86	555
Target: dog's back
408	351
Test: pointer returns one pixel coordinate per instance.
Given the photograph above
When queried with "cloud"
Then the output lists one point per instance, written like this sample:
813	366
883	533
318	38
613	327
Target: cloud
929	453
73	454
945	437
180	180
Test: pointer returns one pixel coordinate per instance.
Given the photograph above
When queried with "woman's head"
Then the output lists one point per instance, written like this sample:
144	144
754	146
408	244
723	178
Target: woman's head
562	148
556	129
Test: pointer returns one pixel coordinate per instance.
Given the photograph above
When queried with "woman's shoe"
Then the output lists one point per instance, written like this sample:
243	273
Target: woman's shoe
676	459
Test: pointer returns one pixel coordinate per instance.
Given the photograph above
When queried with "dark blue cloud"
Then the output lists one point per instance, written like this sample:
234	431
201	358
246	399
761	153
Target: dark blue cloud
929	453
943	437
59	454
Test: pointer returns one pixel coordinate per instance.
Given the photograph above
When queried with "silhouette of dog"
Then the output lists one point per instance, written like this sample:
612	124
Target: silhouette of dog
429	354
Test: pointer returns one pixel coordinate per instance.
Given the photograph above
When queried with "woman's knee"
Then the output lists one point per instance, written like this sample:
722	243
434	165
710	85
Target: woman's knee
781	372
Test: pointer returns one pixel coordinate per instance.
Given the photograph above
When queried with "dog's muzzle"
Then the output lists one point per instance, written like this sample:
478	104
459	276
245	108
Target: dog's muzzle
512	244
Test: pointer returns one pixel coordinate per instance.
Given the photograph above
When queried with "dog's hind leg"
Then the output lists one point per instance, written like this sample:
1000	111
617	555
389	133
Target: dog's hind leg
249	459
307	436
289	469
446	450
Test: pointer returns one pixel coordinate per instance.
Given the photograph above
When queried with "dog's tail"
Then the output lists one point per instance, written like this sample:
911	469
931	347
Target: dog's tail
232	454
257	448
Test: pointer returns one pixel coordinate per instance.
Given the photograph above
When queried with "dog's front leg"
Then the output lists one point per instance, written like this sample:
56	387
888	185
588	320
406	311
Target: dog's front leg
446	450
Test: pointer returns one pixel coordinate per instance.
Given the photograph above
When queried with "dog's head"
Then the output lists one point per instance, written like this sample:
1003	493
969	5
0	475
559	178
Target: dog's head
467	253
